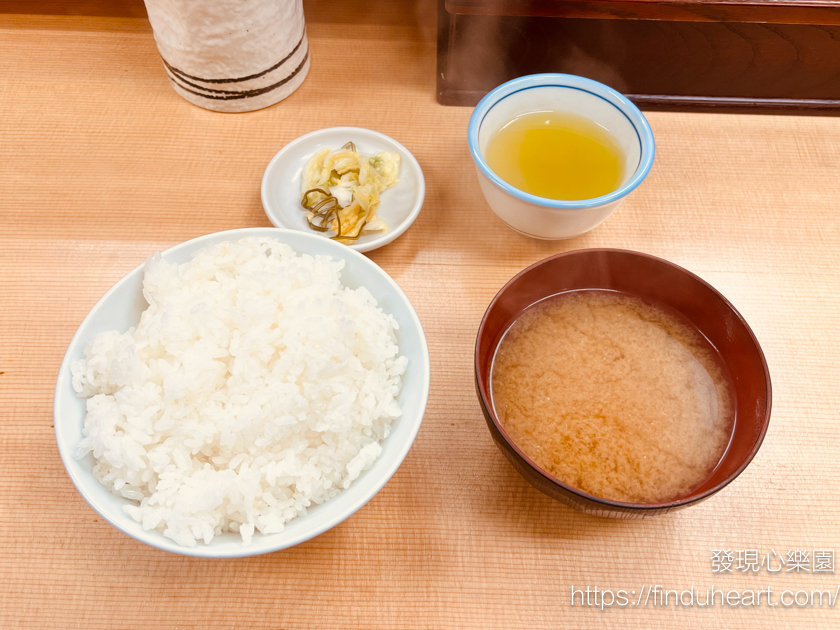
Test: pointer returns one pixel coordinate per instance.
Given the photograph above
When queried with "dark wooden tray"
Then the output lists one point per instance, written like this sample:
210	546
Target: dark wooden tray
761	55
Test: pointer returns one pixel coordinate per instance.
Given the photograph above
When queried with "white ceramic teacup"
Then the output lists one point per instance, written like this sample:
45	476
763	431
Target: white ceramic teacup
540	217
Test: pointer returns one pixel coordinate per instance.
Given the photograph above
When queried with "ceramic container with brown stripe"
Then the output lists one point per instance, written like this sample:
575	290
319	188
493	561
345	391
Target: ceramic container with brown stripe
231	56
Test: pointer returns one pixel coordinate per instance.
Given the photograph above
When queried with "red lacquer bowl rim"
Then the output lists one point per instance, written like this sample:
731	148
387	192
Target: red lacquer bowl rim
485	399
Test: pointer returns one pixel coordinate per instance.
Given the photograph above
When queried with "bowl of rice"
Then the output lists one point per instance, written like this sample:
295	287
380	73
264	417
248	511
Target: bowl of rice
241	392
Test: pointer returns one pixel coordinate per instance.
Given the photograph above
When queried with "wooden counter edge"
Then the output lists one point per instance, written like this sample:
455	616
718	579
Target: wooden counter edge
824	12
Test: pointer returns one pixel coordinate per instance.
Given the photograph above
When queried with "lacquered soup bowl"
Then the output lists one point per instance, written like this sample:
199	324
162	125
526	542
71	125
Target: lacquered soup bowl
661	283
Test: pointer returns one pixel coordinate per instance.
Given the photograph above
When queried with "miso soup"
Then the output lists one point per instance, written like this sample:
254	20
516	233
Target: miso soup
613	396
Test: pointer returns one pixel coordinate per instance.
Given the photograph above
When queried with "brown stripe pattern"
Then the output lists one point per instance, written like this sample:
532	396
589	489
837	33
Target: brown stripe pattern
186	82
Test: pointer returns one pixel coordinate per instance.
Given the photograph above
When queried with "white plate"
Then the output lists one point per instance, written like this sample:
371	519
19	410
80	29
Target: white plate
282	179
120	308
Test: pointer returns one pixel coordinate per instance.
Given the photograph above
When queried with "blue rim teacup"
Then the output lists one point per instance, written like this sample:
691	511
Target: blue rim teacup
544	218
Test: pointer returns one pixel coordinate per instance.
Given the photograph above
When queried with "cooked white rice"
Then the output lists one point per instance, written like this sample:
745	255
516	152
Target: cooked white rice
254	386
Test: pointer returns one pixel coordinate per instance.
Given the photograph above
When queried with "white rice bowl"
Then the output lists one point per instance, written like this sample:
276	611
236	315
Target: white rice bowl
267	392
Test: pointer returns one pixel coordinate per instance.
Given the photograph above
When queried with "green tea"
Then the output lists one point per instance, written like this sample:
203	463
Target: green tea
556	155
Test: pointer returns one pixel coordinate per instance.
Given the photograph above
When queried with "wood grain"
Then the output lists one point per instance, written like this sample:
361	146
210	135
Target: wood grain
660	62
759	11
103	164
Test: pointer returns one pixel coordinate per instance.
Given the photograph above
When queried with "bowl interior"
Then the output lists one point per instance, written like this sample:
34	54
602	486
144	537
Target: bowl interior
663	283
282	182
574	100
120	309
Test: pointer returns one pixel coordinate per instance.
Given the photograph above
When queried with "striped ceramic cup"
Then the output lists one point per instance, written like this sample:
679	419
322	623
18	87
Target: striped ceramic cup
231	56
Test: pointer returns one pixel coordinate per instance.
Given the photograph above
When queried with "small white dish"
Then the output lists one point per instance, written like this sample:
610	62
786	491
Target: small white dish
281	183
120	308
539	217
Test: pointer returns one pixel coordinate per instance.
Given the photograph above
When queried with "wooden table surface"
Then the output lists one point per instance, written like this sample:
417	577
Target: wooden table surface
102	164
